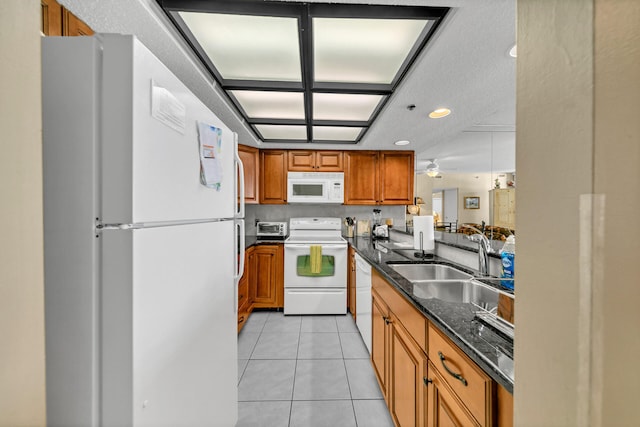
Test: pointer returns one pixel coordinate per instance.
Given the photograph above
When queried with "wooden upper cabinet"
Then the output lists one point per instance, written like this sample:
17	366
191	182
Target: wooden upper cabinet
361	186
72	26
396	177
58	21
273	177
378	178
315	161
301	161
329	161
51	19
250	159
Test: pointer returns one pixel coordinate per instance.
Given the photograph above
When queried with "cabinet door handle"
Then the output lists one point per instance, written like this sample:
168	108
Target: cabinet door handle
427	381
453	374
386	320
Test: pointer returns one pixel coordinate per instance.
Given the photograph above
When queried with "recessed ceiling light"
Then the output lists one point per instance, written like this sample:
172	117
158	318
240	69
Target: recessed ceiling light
439	113
514	51
403	142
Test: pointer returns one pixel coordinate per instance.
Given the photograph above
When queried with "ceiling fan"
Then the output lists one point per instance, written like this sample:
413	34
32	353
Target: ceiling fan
430	167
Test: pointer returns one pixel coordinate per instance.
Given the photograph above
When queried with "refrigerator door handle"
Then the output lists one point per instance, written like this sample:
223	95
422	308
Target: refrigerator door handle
239	178
238	260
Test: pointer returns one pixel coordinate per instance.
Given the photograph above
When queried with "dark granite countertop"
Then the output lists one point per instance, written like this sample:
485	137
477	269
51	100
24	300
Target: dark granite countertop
253	240
459	240
456	320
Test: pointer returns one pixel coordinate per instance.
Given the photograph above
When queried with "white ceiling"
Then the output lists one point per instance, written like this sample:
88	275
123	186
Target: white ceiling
466	67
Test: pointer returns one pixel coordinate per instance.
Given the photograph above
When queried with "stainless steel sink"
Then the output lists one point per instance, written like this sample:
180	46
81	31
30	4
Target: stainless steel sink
413	272
459	291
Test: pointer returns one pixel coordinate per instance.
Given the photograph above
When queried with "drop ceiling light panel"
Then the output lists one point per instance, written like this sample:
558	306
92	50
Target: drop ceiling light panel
246	47
362	50
344	106
305	72
336	133
271	105
282	132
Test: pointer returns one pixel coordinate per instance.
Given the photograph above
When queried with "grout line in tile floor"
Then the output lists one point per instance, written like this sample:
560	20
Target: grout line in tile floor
311	412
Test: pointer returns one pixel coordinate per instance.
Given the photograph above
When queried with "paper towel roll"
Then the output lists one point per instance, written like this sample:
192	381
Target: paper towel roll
423	224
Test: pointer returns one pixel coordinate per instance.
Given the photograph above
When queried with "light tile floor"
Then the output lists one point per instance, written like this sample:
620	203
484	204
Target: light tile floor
306	371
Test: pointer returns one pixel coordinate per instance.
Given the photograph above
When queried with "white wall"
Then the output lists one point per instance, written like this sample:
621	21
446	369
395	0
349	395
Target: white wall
22	356
468	185
578	343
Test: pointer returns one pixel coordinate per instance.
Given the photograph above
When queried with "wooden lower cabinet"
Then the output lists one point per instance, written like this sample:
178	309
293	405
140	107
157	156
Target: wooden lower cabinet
266	284
504	407
379	341
407	376
444	408
418	389
245	304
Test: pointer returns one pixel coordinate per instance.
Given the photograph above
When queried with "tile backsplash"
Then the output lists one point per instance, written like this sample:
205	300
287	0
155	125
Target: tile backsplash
284	212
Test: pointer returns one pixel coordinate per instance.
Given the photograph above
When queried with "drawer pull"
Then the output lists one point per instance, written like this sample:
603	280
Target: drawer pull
453	374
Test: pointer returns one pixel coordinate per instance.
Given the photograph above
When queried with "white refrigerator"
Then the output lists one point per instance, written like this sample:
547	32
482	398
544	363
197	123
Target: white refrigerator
142	260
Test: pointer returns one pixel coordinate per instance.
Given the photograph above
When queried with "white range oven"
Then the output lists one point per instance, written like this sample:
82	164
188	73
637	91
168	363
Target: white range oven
315	267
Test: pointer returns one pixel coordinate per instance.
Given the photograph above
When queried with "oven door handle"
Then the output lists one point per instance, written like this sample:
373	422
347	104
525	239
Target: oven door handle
315	291
308	245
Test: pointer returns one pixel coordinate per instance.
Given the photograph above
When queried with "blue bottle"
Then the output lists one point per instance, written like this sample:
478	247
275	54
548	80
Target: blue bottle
508	255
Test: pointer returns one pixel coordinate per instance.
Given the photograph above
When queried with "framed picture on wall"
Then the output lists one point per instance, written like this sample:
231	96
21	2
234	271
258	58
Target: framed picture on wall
472	202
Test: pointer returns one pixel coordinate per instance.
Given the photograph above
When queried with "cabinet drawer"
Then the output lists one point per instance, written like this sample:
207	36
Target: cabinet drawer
412	320
443	407
474	387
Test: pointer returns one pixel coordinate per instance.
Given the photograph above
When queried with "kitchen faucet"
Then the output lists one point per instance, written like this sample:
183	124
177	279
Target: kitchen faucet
484	248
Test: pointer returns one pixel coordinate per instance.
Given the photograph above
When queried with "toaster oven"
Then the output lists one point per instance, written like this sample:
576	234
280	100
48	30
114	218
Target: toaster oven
273	229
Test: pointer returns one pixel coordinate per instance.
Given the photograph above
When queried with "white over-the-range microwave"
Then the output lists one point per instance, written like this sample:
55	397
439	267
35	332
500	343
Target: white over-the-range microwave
315	187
